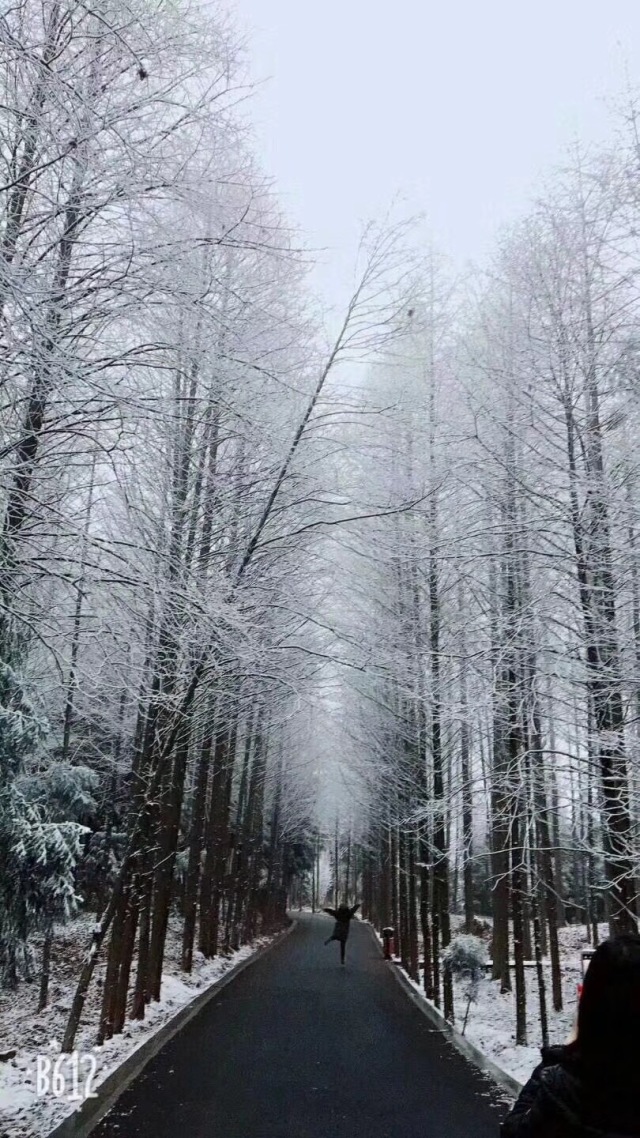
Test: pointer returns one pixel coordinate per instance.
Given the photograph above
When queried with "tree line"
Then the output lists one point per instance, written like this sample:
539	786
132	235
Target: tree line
161	456
270	596
494	729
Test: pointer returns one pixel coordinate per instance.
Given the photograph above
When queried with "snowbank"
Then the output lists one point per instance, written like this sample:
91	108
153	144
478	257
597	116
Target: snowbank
25	1112
491	1022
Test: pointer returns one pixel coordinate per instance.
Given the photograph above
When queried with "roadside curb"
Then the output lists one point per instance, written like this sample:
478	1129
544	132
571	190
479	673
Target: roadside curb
469	1050
82	1121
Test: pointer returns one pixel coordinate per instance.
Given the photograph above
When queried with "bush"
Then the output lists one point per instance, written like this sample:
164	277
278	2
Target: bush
465	958
38	853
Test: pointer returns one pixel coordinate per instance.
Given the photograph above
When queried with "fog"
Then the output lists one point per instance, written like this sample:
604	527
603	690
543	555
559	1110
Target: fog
459	108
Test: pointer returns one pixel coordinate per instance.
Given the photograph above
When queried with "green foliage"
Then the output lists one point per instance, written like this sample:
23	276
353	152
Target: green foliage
67	792
22	726
37	886
39	851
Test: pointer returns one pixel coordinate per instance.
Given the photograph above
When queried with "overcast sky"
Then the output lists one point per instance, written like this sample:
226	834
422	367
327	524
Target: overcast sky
459	105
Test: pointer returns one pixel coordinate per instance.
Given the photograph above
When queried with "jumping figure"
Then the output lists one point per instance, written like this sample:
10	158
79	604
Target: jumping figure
342	916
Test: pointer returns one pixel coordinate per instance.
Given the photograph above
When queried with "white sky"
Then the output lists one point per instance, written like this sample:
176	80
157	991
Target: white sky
458	105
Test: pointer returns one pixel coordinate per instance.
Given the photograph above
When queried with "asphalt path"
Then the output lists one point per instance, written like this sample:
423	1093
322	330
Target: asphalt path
299	1047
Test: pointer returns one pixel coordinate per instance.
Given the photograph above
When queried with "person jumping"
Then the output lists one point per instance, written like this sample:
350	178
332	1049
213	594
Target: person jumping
342	916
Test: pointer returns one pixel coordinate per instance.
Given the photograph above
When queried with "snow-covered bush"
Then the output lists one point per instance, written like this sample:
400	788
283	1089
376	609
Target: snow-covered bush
465	958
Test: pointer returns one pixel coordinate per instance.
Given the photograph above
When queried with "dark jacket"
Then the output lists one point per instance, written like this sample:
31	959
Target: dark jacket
343	915
558	1102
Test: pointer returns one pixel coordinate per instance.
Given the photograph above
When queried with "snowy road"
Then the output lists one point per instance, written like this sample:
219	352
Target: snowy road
298	1047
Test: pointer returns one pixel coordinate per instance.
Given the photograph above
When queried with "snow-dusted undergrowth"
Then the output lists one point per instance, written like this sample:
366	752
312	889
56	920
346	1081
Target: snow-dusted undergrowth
491	1023
26	1114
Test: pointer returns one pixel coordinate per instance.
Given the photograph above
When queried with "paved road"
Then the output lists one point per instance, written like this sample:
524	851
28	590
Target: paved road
298	1047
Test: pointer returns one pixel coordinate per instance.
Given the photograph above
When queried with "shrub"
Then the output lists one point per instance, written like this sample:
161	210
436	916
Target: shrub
465	958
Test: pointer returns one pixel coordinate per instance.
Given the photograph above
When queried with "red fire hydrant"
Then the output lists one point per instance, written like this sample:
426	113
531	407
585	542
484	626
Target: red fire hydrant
388	945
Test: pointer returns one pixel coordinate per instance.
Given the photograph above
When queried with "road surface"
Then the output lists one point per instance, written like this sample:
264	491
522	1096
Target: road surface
298	1047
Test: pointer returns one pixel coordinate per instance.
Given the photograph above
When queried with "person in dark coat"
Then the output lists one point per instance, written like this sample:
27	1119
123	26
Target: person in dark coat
590	1088
343	916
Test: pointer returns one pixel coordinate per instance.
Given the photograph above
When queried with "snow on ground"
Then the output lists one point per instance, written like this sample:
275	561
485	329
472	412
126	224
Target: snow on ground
26	1113
491	1023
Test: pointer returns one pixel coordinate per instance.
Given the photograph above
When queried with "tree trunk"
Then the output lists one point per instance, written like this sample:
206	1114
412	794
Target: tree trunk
43	996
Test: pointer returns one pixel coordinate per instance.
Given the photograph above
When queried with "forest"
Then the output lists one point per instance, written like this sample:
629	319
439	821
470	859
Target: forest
284	590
